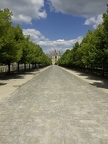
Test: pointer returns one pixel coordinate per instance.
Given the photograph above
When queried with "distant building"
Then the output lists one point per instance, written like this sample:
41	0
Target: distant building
54	55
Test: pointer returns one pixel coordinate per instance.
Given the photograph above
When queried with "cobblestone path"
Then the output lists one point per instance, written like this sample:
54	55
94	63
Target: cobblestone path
55	107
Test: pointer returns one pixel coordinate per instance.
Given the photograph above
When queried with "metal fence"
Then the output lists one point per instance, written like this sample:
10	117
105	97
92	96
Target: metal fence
14	67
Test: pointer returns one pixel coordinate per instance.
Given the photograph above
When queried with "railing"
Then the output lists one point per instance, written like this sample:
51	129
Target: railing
94	70
14	67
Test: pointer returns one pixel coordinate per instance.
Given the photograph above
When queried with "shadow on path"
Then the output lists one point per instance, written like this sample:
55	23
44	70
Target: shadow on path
2	83
98	81
103	84
17	75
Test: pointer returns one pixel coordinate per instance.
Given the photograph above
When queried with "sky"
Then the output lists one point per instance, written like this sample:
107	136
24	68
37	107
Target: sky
56	24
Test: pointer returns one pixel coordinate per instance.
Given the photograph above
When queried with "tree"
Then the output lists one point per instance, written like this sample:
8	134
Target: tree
65	59
105	26
14	46
40	57
10	50
74	57
105	30
19	38
27	51
5	23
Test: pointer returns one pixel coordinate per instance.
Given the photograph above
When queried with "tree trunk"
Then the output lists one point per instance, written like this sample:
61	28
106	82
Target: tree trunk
18	66
103	70
8	67
24	67
29	66
91	68
35	65
84	68
32	65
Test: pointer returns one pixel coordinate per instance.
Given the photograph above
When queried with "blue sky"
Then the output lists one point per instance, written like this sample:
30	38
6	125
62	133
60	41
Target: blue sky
56	24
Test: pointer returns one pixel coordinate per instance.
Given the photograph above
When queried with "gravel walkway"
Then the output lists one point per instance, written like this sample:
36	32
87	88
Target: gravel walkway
55	107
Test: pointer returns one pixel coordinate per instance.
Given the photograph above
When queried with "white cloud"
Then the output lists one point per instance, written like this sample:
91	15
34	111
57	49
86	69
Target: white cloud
35	35
25	10
86	8
95	21
92	10
60	40
48	45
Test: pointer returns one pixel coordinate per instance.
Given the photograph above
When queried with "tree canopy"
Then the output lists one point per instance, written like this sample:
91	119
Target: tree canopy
16	47
92	51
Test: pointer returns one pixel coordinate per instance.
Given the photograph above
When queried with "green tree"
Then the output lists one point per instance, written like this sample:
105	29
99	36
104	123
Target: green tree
27	51
65	59
40	56
5	23
105	30
74	56
105	26
10	51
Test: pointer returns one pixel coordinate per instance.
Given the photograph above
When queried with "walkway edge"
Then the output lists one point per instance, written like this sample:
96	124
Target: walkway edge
9	86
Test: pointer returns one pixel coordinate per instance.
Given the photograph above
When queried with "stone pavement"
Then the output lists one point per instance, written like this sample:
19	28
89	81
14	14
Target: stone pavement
9	83
55	107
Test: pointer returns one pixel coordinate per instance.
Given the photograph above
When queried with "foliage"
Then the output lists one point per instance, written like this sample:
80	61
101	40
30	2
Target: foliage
65	59
92	51
16	47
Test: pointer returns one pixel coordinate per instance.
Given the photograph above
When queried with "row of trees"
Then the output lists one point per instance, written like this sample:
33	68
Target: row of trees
92	52
17	47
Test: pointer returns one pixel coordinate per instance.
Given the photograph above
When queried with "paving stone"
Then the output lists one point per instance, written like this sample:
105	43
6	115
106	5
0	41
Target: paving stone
34	141
69	141
8	139
21	140
55	107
